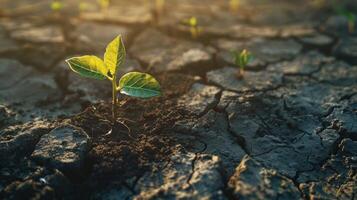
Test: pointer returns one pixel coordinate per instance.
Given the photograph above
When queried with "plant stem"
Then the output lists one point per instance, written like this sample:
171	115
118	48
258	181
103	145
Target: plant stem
194	32
240	73
114	100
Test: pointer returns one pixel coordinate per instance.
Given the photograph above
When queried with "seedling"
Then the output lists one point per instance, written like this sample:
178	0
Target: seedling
133	84
194	28
350	16
56	6
241	60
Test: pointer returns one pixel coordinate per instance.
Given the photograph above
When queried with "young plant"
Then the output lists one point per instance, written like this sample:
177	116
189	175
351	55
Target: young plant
133	84
351	18
56	6
194	28
241	60
342	11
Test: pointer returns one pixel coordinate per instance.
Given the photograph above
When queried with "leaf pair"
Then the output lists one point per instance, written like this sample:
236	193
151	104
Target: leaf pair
133	84
94	67
192	22
242	58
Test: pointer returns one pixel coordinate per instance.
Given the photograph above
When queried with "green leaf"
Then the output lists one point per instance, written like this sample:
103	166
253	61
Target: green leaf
114	56
193	21
88	66
140	85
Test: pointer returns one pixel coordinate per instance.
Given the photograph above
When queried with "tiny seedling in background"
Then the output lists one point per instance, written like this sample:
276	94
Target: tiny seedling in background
351	18
133	84
56	6
241	60
234	5
193	24
342	11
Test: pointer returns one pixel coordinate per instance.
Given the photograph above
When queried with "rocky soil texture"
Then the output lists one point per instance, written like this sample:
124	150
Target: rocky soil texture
287	130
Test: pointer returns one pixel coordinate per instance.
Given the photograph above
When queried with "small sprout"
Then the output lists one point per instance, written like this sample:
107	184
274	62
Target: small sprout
193	22
135	84
351	18
234	5
241	60
56	6
194	28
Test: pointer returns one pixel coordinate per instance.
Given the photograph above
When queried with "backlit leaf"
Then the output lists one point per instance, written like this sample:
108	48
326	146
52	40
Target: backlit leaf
114	56
140	85
88	66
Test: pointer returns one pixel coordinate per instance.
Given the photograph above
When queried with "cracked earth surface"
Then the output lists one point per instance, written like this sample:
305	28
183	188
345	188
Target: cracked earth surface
287	130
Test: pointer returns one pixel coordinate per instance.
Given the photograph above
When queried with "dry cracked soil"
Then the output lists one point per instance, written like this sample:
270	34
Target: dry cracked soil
287	130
